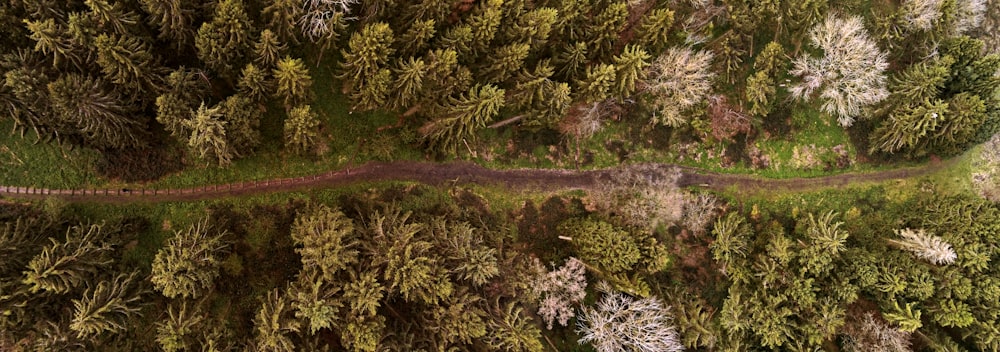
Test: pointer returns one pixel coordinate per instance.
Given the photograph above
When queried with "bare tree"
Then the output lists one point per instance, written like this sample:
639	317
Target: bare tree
869	334
921	14
699	211
323	18
621	323
560	291
849	77
678	80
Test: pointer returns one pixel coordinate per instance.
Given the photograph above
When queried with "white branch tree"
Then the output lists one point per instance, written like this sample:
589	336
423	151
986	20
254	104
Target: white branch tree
925	246
560	291
621	323
678	80
850	75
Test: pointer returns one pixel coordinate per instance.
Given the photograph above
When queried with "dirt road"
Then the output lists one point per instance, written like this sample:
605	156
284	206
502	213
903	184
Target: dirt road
464	173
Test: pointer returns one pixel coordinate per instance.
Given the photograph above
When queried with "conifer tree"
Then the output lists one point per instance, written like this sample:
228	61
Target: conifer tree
314	302
178	329
281	18
907	127
463	117
112	16
189	263
597	85
65	266
327	240
254	83
292	82
760	93
606	29
107	308
96	111
416	38
273	324
301	130
207	137
654	29
174	18
367	53
128	61
572	60
630	67
53	39
242	118
410	76
268	49
532	27
222	42
504	62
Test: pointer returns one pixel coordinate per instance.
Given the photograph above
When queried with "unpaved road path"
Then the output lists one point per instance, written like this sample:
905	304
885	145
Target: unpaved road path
464	173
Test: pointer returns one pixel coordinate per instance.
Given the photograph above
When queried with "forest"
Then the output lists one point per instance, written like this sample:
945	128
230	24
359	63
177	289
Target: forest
136	94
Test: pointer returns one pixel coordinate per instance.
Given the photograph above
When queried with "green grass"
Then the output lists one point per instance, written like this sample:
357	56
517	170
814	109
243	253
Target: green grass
25	162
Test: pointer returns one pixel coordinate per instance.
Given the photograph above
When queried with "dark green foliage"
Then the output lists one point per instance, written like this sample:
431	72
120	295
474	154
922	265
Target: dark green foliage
223	42
96	110
189	263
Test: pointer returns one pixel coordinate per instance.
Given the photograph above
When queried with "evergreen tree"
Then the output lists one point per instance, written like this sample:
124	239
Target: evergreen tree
374	93
174	18
97	111
274	324
292	82
606	29
602	245
112	16
189	263
572	60
242	118
410	76
65	266
760	93
654	29
208	135
222	42
504	62
327	239
598	84
128	61
268	49
53	39
463	117
254	83
907	127
416	38
107	308
281	17
301	130
367	53
630	67
176	332
532	27
313	301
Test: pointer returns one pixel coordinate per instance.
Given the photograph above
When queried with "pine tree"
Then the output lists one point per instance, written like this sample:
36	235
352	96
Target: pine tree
572	60
410	267
65	266
128	61
484	26
367	52
107	308
281	17
410	76
374	93
532	27
292	82
598	84
175	19
274	324
313	301
463	116
606	28
53	39
600	244
504	62
189	263
254	83
760	93
509	330
207	137
96	111
268	49
731	243
301	130
909	126
176	332
416	38
654	29
327	239
112	16
920	81
630	67
242	118
222	42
